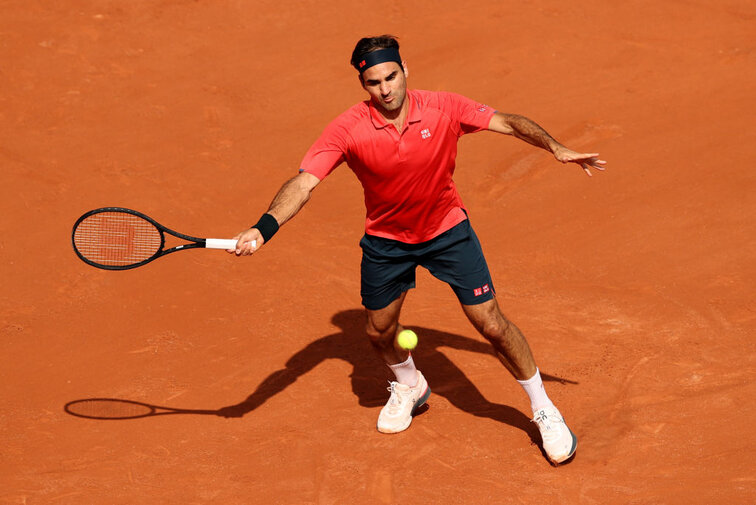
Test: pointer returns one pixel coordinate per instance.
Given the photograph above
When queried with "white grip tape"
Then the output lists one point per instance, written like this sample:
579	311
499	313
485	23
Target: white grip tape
223	243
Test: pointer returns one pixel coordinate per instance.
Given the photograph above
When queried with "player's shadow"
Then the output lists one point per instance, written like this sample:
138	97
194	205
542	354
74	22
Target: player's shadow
352	346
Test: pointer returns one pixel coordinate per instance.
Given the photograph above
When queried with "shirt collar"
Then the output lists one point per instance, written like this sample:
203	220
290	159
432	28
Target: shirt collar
413	115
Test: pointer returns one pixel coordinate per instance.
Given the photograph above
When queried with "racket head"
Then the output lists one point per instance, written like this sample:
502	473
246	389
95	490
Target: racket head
109	409
116	238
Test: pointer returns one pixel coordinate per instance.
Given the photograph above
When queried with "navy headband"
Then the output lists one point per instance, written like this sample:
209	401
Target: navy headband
380	56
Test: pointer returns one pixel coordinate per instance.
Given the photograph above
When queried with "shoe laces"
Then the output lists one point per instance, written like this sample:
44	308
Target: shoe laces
545	420
396	399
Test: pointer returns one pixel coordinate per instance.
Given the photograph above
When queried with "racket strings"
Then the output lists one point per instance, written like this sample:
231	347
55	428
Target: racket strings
117	239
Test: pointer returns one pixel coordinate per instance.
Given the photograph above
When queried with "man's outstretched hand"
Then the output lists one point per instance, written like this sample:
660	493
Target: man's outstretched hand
585	160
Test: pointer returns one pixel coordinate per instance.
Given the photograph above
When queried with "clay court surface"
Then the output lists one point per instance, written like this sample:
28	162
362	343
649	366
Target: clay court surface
634	287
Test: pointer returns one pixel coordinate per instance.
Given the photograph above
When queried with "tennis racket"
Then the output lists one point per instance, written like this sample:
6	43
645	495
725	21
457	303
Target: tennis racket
114	238
115	409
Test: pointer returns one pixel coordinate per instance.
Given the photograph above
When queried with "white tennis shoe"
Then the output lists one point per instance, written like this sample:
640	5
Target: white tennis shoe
558	440
397	414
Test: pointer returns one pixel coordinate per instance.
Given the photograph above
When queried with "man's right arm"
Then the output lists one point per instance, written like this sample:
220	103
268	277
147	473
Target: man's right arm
288	201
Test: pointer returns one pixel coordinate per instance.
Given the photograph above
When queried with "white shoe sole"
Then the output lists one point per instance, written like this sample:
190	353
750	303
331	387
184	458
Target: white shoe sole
570	454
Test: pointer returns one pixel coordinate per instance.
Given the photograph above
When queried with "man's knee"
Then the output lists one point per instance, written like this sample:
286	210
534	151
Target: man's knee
489	320
381	332
382	324
495	327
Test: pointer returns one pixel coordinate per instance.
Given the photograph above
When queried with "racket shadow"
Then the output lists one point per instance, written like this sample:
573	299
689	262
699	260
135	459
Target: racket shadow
115	409
369	373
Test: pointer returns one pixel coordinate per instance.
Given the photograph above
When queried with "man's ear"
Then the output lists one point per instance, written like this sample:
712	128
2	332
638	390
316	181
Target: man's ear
405	68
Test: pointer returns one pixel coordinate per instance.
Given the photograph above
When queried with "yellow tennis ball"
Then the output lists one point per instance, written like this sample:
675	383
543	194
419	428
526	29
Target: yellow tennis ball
407	339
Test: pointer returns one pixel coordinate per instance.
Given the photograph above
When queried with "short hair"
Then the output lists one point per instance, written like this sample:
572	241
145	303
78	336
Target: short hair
370	44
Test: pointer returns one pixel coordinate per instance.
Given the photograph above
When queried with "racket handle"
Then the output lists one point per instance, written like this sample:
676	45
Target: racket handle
222	243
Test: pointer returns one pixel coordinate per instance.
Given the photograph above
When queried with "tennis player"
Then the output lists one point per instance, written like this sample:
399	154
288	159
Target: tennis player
402	144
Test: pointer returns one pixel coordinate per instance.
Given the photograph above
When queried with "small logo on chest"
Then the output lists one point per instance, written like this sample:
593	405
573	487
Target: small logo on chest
425	133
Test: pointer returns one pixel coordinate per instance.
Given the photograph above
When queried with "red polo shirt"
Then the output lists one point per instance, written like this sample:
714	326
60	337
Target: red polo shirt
407	178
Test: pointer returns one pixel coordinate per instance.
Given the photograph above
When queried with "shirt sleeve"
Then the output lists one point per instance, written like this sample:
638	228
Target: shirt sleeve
327	153
472	116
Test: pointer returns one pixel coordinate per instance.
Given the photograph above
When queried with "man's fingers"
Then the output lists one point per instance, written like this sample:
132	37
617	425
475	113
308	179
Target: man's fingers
573	157
592	162
585	160
582	156
232	251
245	248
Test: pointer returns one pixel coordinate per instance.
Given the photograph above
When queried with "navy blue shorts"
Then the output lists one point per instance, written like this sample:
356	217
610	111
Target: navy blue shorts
455	257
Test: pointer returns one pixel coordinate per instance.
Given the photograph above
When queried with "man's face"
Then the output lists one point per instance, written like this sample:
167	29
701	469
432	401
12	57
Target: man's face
387	85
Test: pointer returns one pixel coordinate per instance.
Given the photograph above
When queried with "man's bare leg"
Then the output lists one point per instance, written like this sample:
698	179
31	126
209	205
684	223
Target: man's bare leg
382	327
411	390
514	353
509	343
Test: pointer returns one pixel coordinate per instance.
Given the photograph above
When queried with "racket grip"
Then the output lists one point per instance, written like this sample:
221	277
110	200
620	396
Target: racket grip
222	243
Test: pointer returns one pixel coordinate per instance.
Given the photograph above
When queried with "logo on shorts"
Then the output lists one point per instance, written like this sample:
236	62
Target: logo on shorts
425	133
481	290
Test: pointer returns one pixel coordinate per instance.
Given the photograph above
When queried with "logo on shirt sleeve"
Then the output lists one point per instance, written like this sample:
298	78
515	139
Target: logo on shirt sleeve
482	107
425	133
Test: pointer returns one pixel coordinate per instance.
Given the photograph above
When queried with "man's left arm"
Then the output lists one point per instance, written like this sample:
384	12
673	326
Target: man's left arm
527	130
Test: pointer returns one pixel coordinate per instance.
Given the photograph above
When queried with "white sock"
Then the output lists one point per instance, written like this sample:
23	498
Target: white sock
406	373
535	390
